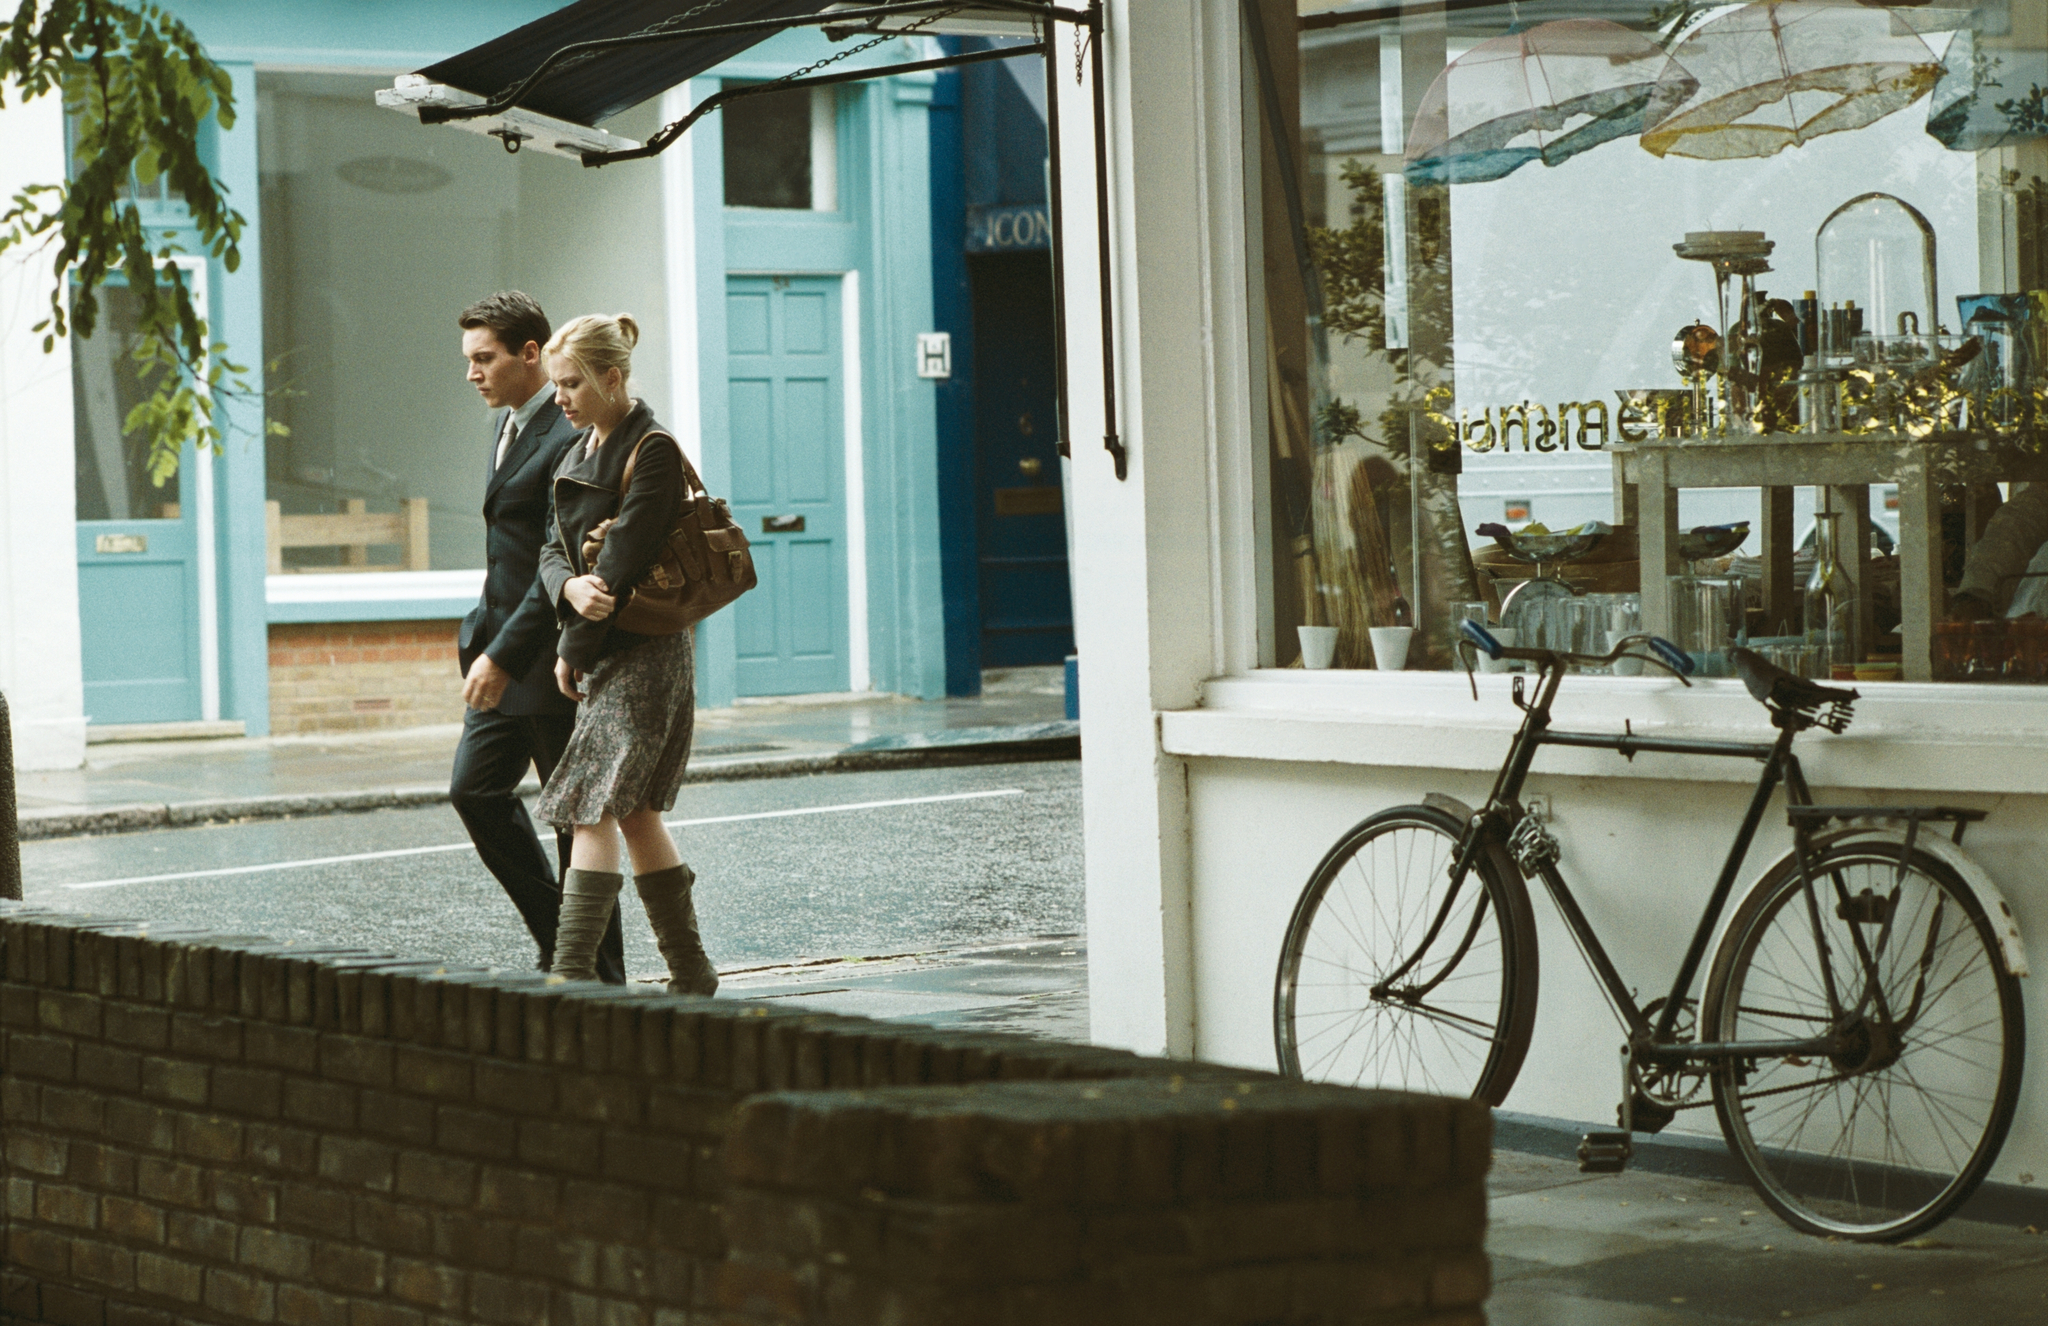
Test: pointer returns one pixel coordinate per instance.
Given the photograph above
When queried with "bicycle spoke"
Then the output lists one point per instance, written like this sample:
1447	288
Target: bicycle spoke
1384	914
1881	1146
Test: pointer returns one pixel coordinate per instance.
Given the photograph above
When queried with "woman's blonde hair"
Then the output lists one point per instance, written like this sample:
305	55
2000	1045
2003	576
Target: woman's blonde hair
597	344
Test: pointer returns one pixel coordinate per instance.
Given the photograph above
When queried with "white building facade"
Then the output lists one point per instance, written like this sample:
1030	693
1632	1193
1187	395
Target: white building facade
1218	772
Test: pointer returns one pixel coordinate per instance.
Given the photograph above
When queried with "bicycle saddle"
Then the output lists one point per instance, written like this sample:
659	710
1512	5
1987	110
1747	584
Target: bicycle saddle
1782	693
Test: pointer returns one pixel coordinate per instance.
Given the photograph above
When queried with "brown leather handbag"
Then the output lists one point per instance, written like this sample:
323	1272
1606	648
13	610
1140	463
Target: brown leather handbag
704	563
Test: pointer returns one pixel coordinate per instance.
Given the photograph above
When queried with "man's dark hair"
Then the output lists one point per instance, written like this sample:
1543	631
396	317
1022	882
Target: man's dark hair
512	317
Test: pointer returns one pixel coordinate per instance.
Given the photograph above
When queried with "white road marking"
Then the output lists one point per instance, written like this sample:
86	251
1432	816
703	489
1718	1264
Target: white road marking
391	853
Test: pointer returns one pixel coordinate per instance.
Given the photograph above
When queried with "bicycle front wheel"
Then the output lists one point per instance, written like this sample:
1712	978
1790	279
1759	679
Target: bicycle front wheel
1391	977
1887	1135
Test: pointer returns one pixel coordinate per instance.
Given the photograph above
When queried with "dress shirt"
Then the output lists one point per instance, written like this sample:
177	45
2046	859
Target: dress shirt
520	418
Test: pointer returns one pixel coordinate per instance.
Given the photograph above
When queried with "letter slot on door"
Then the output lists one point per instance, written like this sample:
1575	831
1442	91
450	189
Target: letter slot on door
782	524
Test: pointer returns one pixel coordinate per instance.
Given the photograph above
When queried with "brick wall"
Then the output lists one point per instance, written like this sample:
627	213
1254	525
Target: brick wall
204	1129
1120	1203
354	676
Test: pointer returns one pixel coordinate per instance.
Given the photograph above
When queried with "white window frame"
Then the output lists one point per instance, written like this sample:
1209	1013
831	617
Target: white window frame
1924	737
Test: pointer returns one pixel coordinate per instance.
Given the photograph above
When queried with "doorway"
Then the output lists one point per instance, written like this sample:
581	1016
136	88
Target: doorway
786	385
145	558
1027	614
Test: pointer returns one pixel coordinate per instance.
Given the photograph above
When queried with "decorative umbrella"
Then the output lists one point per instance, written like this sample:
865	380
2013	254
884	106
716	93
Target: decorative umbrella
1774	75
1988	96
1544	94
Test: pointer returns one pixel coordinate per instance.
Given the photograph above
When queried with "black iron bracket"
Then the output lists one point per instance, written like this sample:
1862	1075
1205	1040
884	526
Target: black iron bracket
1092	20
575	52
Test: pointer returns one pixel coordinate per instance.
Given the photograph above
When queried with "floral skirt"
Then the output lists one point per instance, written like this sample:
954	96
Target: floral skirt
632	736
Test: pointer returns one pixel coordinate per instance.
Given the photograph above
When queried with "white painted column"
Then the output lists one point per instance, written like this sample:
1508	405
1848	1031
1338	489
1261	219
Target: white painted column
39	650
1148	583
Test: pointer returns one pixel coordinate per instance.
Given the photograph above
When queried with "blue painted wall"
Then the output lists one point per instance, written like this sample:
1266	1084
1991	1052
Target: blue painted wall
953	311
881	232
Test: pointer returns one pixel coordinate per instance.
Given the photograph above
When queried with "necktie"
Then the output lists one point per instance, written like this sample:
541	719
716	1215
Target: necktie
505	438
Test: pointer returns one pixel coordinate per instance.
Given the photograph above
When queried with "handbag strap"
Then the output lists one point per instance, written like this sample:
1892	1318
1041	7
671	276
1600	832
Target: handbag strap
691	483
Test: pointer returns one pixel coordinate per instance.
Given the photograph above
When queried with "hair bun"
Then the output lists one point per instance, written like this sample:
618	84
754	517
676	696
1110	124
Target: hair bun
629	327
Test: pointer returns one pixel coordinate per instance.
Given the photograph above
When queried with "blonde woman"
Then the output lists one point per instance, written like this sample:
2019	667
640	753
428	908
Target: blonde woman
636	693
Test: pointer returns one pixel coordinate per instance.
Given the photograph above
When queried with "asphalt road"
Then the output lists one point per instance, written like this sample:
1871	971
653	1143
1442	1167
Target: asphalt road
836	866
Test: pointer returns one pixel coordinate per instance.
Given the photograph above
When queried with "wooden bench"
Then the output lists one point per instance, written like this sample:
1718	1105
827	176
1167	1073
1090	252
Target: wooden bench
353	529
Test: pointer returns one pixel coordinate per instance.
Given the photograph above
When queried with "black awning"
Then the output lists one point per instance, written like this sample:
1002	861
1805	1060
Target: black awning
597	87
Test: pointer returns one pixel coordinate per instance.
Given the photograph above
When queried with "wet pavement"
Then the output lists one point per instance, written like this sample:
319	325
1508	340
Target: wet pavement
1643	1249
1036	988
789	871
134	785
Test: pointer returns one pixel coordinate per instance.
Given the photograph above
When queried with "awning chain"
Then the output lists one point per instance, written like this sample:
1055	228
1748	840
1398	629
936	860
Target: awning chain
869	44
670	24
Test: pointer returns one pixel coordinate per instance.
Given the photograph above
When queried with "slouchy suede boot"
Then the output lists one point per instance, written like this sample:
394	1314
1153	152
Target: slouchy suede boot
666	896
588	897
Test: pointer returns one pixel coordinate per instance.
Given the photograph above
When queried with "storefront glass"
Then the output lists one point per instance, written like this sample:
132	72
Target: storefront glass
375	234
1712	319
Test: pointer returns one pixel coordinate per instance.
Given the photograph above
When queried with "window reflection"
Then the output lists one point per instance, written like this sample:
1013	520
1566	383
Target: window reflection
1565	302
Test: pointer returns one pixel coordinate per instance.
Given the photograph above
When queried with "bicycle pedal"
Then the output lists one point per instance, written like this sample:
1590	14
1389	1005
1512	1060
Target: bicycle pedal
1604	1153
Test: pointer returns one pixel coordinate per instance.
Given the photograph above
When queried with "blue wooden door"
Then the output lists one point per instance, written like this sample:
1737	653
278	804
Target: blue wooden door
785	393
139	555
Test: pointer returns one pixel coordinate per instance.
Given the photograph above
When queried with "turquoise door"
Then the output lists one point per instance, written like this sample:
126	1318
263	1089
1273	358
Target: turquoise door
140	609
785	385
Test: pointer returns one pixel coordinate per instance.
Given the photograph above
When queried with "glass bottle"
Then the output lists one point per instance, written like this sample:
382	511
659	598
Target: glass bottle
1830	597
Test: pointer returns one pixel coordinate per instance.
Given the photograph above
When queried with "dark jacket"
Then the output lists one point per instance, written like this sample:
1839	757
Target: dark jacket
514	622
586	491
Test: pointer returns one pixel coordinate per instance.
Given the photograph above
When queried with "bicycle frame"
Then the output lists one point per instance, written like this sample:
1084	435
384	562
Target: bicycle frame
1504	815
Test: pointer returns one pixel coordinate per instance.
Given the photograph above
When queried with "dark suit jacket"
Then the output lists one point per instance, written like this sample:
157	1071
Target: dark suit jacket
514	622
586	491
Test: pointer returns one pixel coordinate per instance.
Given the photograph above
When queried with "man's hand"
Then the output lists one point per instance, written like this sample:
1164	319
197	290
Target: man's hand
485	685
566	678
591	597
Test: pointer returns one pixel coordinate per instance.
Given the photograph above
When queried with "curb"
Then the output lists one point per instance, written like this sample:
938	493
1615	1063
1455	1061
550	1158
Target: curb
1020	744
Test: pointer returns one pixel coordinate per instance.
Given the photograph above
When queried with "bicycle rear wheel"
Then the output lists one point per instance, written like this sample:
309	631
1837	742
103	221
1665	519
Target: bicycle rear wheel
1457	1021
1887	1136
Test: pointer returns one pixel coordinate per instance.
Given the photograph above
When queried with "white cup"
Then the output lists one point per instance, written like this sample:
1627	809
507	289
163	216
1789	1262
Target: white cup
1318	645
1506	636
1390	646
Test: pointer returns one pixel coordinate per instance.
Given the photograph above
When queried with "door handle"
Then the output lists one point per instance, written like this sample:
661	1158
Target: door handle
782	524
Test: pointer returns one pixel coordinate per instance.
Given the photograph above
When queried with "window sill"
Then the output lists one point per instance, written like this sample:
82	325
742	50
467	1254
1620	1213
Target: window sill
371	596
1906	737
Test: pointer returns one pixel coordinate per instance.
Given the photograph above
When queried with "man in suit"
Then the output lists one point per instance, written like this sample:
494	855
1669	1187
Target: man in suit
516	715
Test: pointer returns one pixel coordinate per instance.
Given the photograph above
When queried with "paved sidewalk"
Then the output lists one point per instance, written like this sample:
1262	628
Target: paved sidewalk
1645	1249
128	786
1038	987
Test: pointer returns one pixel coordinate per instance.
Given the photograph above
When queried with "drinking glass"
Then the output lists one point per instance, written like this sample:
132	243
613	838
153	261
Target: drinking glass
1592	625
1625	618
1707	617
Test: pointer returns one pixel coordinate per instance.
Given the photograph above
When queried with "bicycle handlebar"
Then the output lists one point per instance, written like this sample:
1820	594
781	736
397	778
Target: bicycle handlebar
1662	653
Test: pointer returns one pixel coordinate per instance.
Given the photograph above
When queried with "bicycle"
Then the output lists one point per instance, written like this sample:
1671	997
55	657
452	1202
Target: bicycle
1859	1032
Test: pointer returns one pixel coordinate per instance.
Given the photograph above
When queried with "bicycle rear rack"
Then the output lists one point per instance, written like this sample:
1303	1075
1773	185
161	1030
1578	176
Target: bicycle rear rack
1912	816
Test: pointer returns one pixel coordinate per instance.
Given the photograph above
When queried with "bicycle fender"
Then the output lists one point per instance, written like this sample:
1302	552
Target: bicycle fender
2010	945
2012	948
1450	805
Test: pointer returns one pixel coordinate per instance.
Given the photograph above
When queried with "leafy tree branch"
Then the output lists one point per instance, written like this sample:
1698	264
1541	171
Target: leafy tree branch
137	88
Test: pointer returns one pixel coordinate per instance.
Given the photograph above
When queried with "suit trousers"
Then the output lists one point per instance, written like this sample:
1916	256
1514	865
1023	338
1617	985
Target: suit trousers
489	762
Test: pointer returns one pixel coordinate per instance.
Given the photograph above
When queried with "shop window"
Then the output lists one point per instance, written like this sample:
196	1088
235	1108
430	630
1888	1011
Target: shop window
112	460
781	149
375	235
1517	267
